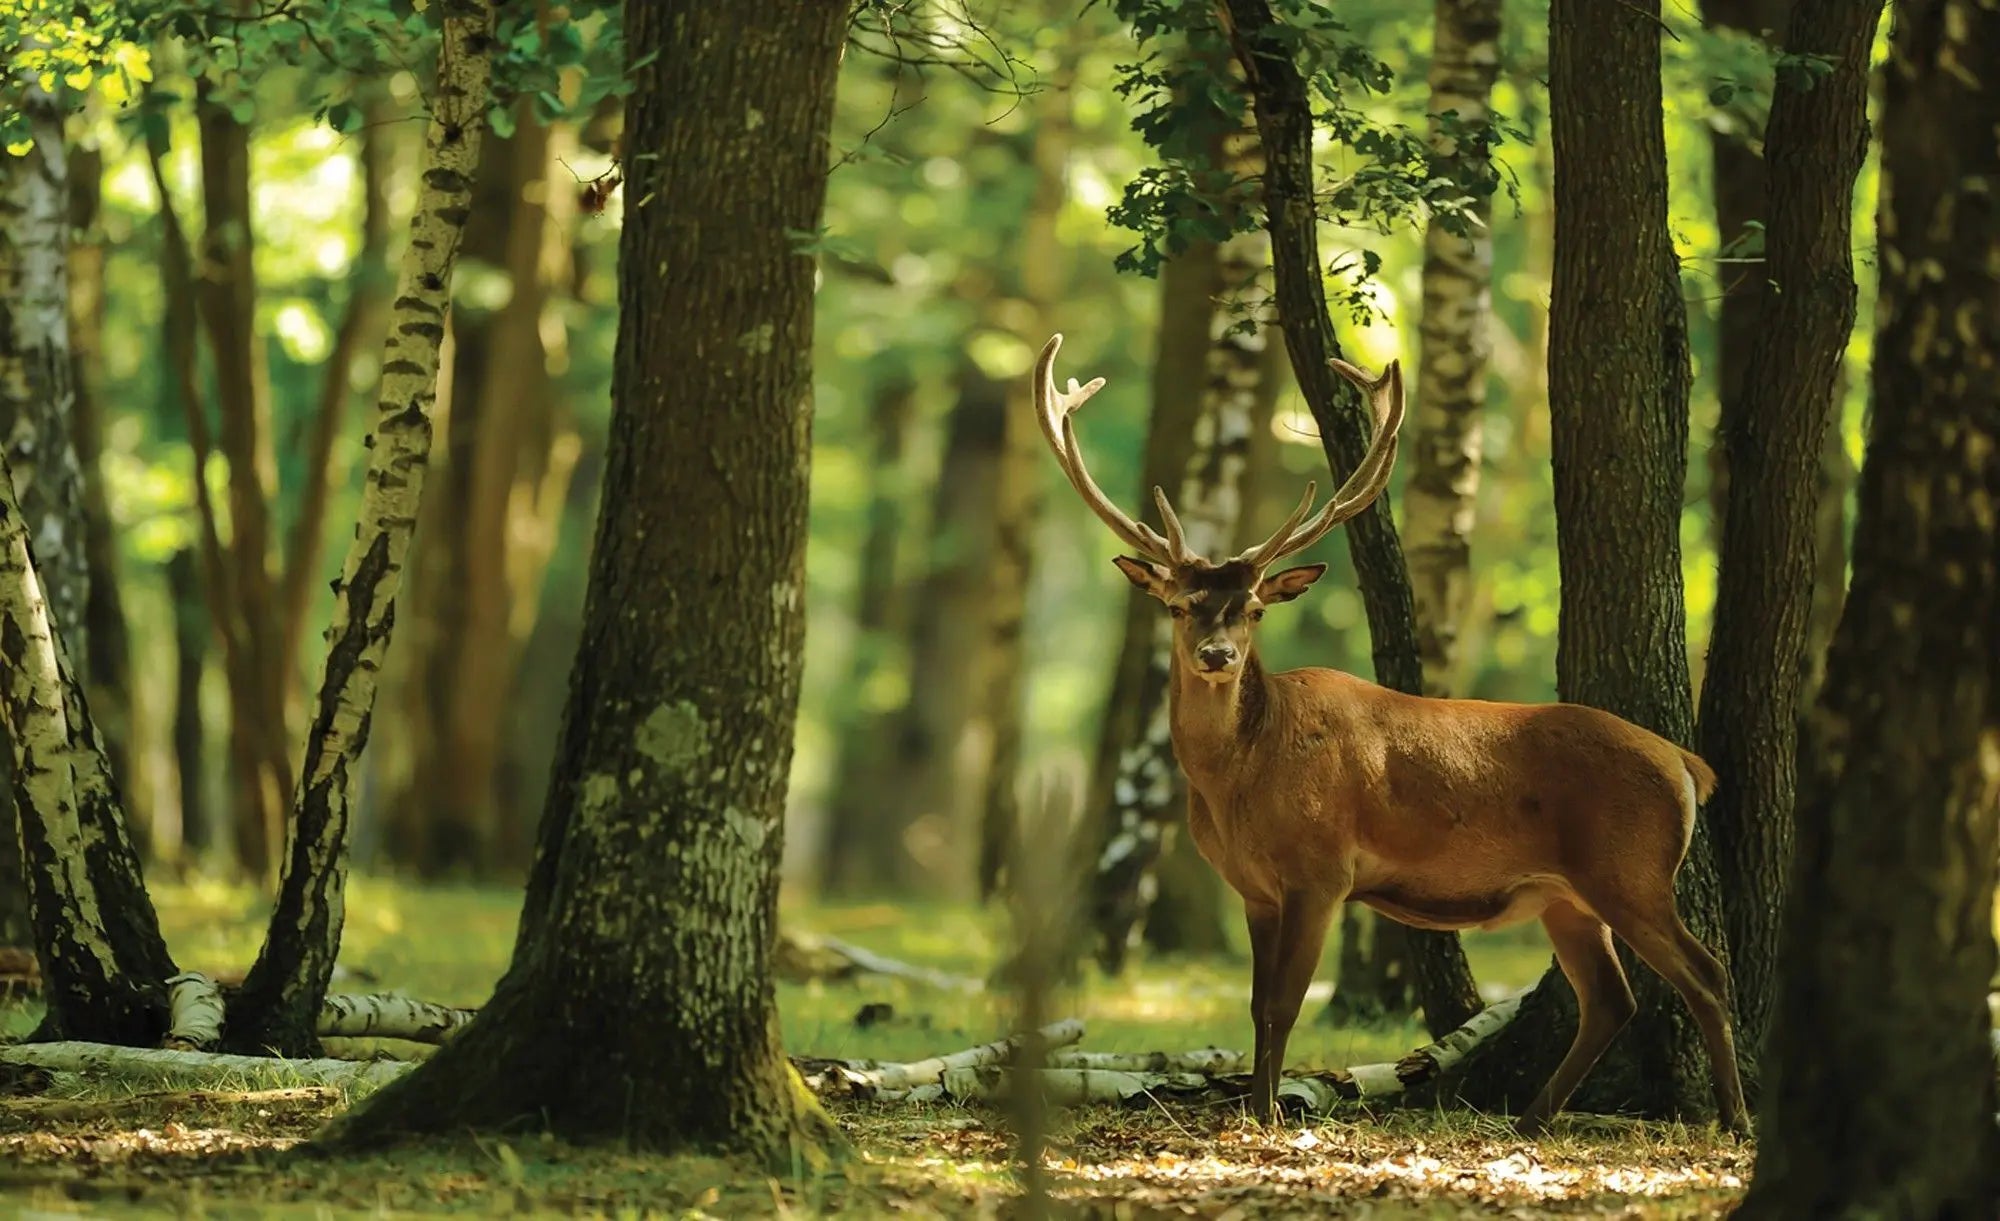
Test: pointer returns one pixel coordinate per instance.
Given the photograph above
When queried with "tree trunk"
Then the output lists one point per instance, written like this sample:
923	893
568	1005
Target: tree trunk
1447	425
1888	942
1148	792
226	291
94	931
1017	505
107	667
862	779
369	282
280	999
191	628
1774	424
1285	129
1375	980
1737	166
646	941
1836	476
1618	400
498	433
915	845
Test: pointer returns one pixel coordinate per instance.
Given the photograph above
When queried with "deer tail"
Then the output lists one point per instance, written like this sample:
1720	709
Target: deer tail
1702	774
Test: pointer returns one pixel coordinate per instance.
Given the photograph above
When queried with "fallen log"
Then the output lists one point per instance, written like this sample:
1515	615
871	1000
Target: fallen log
390	1016
1208	1076
169	1064
38	1111
194	1012
867	1078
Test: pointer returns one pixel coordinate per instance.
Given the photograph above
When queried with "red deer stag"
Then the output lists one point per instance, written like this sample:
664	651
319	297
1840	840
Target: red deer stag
1312	787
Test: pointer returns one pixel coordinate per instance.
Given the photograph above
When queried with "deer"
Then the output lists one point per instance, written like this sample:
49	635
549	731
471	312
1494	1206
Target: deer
1311	788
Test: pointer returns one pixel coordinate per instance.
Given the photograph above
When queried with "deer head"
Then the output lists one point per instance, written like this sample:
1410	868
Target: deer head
1216	606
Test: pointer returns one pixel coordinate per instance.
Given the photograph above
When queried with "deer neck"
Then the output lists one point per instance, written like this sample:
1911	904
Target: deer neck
1213	722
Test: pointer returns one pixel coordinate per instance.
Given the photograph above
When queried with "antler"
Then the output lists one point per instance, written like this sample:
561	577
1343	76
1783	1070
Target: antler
1385	404
1055	411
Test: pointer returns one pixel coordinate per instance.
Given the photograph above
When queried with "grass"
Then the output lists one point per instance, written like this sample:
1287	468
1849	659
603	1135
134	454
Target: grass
105	1150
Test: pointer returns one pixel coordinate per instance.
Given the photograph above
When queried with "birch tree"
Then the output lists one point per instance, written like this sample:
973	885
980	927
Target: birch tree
281	996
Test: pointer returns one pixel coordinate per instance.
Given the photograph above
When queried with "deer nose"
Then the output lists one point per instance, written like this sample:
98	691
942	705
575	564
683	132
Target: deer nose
1216	656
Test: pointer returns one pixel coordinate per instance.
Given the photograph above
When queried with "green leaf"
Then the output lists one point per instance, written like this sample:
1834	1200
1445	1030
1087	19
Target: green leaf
500	120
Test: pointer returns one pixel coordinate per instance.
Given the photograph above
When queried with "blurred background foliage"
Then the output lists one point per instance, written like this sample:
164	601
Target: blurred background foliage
921	297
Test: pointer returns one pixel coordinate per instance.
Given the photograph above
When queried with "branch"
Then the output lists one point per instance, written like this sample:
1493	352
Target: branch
194	1006
805	956
870	1078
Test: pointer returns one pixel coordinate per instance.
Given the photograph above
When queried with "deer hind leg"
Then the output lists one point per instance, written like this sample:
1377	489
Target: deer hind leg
1603	1000
1301	937
1264	920
1666	945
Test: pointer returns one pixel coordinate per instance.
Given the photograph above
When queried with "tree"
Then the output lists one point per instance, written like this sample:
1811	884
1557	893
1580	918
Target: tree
1447	434
645	942
1618	404
1888	937
1773	424
279	1003
1284	114
94	930
505	465
1212	385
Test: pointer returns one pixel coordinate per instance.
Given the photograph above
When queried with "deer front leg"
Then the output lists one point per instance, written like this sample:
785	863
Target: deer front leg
1302	927
1264	920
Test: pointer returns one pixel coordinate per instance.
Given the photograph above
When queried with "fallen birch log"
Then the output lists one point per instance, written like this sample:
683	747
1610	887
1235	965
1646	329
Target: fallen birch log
804	957
1211	1075
866	1078
390	1016
194	1012
168	1064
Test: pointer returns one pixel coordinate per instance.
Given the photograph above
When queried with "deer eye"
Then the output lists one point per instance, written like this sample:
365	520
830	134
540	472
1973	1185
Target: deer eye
1178	612
1257	616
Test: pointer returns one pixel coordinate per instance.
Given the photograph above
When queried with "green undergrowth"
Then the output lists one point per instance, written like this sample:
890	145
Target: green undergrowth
110	1149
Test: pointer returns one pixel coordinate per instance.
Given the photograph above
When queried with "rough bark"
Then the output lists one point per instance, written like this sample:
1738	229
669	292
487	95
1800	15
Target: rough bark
1017	503
1281	103
862	777
225	290
1774	424
915	845
1447	429
1737	166
507	453
1888	942
369	282
94	930
1836	477
645	945
1618	405
1147	791
281	995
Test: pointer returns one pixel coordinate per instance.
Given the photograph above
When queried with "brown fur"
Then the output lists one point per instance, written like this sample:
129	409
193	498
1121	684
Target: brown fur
1312	787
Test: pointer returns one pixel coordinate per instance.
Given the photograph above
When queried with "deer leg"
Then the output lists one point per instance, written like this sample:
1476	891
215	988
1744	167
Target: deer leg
1301	938
1666	945
1264	920
1603	1001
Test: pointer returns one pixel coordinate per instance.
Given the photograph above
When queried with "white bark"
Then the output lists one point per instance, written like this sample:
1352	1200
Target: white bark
389	1016
1208	1075
194	1008
289	979
1447	434
166	1064
866	1078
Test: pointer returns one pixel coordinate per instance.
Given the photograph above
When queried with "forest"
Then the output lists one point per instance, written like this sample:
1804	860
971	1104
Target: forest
1066	608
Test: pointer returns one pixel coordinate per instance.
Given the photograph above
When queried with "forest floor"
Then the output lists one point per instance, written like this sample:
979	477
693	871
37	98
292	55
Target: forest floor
102	1149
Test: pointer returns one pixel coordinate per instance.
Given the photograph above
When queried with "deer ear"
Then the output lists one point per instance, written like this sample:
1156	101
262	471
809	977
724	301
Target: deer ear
1289	584
1147	578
